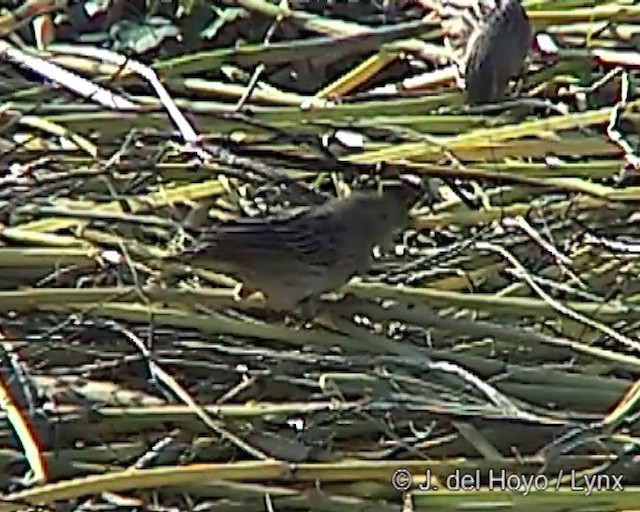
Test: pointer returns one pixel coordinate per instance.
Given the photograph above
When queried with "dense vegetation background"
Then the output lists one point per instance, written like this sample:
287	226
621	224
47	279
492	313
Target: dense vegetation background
511	344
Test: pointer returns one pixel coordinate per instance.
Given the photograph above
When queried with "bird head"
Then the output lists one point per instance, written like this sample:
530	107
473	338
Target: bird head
404	191
381	214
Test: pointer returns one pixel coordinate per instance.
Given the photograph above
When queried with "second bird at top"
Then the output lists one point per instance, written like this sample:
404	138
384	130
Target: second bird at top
490	47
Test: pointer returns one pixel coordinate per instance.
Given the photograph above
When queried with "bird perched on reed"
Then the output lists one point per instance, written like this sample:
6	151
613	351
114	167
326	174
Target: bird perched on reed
490	40
292	259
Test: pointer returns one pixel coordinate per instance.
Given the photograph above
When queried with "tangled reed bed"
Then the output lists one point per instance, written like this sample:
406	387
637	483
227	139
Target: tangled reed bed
500	334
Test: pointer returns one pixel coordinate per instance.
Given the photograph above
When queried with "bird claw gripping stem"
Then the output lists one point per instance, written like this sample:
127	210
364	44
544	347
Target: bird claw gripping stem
489	41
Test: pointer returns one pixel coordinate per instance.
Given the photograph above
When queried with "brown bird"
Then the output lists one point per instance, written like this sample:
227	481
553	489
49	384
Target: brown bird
491	51
294	258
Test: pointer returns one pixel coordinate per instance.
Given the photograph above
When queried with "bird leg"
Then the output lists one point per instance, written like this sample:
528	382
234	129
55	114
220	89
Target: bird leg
521	77
305	313
308	308
338	310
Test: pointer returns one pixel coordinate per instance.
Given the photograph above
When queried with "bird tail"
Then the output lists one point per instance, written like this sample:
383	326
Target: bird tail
203	240
194	242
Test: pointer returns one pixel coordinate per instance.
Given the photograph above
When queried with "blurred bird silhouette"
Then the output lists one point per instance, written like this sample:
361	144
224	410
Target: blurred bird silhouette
294	258
490	40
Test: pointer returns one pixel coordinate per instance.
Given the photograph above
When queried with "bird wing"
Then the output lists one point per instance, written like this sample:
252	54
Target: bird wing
301	236
315	238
